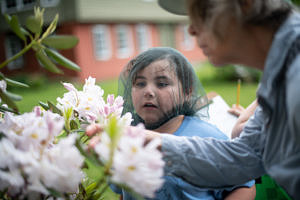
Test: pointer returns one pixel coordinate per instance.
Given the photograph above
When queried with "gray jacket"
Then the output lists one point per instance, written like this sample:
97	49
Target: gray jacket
269	143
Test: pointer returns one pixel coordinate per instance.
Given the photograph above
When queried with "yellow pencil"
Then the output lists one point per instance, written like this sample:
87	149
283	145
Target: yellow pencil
238	93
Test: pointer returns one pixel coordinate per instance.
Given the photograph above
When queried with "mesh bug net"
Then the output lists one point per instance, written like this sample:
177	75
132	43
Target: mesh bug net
189	98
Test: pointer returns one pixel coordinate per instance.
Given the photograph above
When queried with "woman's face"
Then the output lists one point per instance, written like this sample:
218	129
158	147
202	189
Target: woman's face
220	51
155	91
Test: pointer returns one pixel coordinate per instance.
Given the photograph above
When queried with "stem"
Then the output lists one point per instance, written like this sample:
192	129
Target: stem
17	55
104	189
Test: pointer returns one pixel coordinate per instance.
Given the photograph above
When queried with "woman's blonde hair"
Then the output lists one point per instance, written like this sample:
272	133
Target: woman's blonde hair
215	14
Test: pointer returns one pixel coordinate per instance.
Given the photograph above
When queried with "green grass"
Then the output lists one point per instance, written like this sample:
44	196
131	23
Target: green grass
228	91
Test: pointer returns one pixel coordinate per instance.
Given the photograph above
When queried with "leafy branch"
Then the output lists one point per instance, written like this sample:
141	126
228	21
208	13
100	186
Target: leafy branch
45	45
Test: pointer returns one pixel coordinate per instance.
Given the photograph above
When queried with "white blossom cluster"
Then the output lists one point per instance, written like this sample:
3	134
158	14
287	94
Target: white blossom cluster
30	160
89	103
135	164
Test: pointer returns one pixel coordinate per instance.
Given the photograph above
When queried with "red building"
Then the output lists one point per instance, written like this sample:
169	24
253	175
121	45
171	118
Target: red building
110	33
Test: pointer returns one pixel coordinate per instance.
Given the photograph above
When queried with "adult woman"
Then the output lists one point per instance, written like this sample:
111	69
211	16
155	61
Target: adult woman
261	34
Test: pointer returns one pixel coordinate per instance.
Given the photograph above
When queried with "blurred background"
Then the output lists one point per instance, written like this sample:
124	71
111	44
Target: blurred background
110	33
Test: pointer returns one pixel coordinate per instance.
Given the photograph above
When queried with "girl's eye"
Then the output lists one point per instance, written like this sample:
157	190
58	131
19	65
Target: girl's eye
162	84
140	84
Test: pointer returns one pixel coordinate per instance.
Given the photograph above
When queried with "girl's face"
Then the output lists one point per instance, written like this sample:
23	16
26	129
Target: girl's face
155	91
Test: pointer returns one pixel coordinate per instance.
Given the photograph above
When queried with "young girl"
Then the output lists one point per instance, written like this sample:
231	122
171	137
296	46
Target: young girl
161	90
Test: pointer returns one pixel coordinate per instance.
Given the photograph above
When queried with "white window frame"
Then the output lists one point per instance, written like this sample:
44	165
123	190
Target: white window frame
187	41
143	37
124	36
20	6
102	44
12	50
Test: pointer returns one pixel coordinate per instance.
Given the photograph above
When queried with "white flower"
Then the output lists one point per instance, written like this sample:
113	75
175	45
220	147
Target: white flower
9	160
85	103
138	166
30	161
60	166
103	147
30	129
90	87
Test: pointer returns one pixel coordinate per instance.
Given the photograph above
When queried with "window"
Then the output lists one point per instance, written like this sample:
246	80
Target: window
49	3
26	2
143	37
11	6
188	42
102	43
124	41
12	46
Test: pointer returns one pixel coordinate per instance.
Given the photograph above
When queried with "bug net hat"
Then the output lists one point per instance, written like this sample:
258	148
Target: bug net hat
192	96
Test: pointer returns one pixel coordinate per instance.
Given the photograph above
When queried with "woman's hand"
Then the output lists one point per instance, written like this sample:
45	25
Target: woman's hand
91	131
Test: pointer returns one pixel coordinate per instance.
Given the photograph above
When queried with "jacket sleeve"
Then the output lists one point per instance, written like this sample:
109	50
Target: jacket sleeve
292	98
212	163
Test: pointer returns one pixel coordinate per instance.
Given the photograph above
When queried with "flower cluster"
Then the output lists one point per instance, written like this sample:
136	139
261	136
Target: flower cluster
30	160
135	164
42	153
90	105
120	147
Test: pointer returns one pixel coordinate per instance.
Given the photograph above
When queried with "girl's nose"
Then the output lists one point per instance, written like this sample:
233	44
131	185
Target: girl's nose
149	92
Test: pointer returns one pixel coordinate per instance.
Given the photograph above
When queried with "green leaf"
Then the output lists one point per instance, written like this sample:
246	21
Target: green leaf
94	172
89	156
54	193
16	83
63	134
60	59
34	24
15	26
53	108
7	18
5	98
112	128
51	28
73	125
5	109
46	62
44	105
13	96
61	41
12	82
